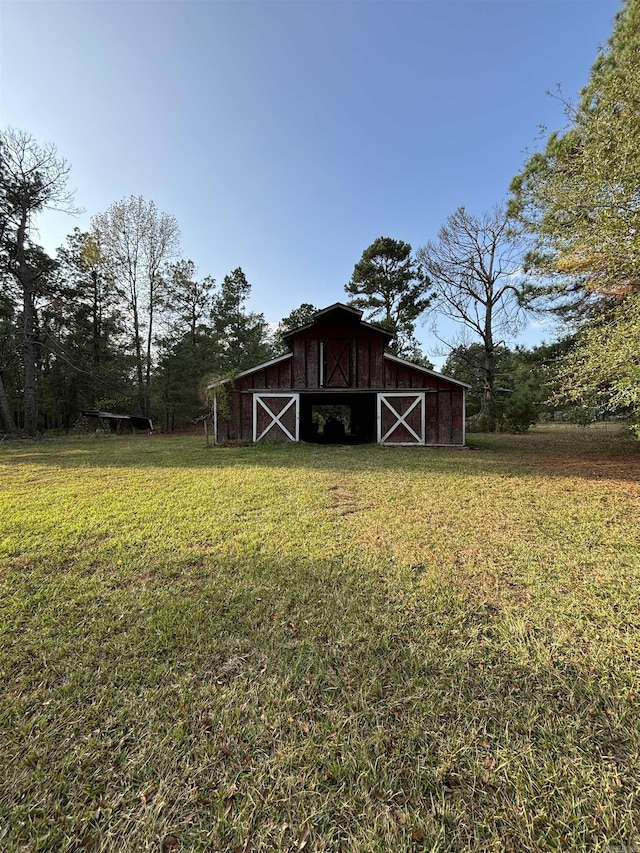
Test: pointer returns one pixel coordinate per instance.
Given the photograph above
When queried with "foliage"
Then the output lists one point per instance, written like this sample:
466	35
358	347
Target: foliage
33	178
287	648
475	271
525	380
298	317
187	299
388	283
9	366
602	371
243	336
136	244
579	197
85	357
189	348
182	363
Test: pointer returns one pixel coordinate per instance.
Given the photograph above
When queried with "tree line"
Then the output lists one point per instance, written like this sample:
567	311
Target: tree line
118	320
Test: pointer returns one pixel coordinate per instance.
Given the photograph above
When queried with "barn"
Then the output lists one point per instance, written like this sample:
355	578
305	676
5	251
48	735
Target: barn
338	384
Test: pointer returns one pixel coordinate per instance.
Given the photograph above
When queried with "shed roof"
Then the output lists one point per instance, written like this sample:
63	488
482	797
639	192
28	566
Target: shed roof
426	370
251	370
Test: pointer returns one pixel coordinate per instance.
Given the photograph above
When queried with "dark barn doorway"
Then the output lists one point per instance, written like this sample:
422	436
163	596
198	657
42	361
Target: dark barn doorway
338	418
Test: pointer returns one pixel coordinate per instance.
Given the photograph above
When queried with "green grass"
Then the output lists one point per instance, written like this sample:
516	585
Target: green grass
320	648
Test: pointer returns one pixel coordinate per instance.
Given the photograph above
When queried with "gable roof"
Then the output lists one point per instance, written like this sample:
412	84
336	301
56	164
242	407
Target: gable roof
339	313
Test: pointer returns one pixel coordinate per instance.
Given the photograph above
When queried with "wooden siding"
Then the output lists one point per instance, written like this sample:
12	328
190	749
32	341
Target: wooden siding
431	419
349	361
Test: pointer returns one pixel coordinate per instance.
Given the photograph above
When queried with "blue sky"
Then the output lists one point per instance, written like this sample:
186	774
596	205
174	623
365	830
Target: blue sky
286	135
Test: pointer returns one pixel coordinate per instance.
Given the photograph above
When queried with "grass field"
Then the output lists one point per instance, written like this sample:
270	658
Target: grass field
293	648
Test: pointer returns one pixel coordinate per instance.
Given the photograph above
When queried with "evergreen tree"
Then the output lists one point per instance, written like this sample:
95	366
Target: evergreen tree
83	329
579	198
298	317
33	178
389	285
189	349
9	368
243	336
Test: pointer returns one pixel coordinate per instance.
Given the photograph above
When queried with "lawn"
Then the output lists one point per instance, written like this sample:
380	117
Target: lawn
312	648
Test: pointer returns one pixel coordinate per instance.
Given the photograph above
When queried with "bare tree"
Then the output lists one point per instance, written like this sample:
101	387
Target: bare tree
137	243
475	269
33	178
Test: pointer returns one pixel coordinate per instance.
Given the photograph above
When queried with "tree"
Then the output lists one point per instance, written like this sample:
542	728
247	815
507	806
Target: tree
475	271
33	178
188	299
189	348
601	371
7	332
137	243
243	335
524	382
298	317
466	362
580	195
83	327
580	199
388	283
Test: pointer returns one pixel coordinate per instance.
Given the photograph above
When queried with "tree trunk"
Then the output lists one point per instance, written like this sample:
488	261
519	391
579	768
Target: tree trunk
29	354
489	366
139	371
5	411
30	390
147	374
96	332
489	390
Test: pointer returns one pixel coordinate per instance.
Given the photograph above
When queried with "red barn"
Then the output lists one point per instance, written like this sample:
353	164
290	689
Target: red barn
339	384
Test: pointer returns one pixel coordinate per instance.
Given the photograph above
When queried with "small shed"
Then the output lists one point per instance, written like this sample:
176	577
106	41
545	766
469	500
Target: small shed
339	384
116	422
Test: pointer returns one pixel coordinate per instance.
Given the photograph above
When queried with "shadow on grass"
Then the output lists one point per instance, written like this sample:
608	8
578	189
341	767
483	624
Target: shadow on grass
558	451
259	702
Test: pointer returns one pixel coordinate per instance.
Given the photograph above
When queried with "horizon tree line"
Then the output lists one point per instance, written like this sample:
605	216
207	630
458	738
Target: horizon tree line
118	319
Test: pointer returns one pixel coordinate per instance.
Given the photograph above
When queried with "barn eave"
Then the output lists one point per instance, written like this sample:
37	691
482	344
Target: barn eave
251	370
354	314
426	370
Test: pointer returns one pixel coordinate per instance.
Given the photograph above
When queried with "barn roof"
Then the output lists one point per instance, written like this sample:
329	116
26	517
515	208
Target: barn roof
388	356
251	370
426	370
339	314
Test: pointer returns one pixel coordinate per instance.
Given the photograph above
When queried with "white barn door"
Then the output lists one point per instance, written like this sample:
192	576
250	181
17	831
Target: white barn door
401	417
276	417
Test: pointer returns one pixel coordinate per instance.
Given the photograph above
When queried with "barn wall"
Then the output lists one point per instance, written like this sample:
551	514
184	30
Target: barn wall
444	422
366	350
368	370
448	425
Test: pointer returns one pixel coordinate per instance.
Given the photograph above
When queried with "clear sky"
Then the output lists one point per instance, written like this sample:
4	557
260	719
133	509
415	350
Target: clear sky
286	135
